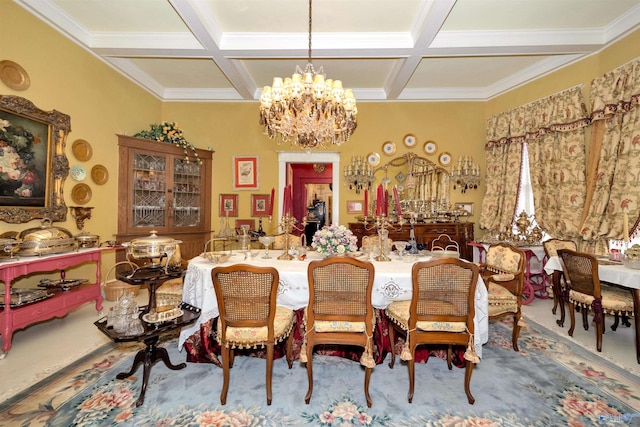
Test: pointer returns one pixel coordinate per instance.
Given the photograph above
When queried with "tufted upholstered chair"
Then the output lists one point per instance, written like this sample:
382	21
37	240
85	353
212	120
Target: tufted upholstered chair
441	311
583	289
558	281
249	316
339	311
503	274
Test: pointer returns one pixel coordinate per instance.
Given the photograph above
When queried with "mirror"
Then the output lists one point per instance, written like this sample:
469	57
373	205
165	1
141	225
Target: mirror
33	162
423	186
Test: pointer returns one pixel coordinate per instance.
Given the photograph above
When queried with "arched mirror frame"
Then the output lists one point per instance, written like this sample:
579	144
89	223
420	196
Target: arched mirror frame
57	165
424	186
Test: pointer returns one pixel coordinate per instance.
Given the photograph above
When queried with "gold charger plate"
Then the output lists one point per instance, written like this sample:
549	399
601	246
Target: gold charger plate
82	150
99	174
14	76
81	194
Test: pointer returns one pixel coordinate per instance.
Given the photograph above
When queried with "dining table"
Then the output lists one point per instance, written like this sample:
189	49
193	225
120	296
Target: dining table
613	272
392	282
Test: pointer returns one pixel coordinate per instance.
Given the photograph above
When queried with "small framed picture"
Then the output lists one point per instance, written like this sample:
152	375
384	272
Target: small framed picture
355	206
465	206
260	205
246	222
245	173
228	205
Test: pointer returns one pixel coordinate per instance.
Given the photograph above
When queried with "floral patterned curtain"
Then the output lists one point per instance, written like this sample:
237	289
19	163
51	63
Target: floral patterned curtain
555	136
553	128
504	157
614	173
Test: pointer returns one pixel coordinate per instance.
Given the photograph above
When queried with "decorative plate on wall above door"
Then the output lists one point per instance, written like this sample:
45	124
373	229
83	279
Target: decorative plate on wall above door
430	147
373	159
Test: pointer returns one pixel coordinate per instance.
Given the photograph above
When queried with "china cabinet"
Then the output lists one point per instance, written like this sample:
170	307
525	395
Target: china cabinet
158	190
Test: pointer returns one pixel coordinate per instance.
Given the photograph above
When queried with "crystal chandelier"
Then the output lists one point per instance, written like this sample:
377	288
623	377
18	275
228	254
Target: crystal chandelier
466	175
306	109
359	175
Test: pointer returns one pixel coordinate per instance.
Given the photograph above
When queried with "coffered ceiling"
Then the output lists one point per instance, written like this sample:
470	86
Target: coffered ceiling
414	50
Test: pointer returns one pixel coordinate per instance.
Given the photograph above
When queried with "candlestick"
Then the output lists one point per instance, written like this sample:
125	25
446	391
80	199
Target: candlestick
273	190
395	196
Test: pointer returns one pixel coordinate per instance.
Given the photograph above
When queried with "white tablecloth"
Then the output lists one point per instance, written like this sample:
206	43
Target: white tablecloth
392	282
618	274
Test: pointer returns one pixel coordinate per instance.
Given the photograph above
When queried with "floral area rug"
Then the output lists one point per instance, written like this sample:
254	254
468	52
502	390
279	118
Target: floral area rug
550	382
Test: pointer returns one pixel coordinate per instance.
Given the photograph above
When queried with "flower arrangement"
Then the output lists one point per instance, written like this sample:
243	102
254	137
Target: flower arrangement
334	240
172	133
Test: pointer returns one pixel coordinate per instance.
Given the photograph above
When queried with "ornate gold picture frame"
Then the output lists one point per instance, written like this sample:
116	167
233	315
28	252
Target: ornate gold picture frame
34	163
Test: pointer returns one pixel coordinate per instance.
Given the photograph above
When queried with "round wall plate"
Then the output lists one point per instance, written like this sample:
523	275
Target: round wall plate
99	174
373	159
388	148
430	147
410	140
82	150
81	194
14	76
445	158
78	173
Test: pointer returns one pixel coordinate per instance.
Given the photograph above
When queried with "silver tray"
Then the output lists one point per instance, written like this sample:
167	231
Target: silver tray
20	297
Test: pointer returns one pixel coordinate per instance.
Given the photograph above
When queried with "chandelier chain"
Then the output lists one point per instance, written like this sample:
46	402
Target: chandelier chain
310	23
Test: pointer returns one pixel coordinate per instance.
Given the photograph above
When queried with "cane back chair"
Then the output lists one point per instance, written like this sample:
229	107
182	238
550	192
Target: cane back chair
441	311
249	316
558	281
339	311
583	289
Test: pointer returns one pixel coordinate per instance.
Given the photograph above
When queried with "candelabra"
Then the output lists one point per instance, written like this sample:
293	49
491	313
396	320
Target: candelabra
382	225
466	175
359	174
288	224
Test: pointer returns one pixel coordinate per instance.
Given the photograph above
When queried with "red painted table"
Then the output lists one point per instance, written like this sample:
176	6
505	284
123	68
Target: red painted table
14	318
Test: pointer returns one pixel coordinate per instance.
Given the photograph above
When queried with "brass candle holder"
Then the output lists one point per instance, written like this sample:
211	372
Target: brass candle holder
382	224
288	224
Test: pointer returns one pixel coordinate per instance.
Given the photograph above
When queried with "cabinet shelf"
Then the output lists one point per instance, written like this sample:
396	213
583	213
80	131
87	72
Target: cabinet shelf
158	190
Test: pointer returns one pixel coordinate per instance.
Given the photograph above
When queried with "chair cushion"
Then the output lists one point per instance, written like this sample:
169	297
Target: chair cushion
502	277
614	300
336	326
251	337
398	312
501	300
503	259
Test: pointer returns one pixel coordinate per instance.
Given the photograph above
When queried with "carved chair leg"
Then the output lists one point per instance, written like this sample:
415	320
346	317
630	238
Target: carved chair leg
393	344
572	316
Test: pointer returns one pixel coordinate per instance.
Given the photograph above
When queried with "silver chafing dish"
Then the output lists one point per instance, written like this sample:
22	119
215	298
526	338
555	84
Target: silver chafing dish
154	248
87	240
45	240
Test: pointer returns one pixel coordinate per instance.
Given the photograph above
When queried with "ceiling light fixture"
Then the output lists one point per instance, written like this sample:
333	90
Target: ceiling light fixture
306	109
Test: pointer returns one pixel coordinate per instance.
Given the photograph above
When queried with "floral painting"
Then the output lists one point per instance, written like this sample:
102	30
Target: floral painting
23	160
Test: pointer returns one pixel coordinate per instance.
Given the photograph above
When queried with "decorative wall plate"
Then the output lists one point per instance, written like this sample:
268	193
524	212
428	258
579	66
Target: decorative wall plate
82	150
373	159
400	187
445	158
389	148
14	76
99	174
430	147
81	194
400	177
409	140
78	173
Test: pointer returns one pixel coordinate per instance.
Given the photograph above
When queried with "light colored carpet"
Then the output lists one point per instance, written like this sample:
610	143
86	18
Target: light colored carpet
550	382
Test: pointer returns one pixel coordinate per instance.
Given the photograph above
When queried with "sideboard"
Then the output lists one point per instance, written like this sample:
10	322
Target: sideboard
58	305
461	232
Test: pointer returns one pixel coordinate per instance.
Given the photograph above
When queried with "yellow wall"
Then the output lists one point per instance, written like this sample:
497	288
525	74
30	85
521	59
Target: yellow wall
102	103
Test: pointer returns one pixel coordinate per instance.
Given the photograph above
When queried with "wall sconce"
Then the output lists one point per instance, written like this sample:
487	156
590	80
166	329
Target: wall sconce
466	174
359	174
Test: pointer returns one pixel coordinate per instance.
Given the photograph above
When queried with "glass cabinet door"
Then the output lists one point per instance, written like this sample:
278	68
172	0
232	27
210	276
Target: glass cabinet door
149	190
186	194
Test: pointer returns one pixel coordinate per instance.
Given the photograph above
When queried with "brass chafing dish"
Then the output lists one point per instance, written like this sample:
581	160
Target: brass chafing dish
87	240
45	240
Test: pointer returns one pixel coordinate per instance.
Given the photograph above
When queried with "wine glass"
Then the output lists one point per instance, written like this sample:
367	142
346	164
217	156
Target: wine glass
400	247
266	241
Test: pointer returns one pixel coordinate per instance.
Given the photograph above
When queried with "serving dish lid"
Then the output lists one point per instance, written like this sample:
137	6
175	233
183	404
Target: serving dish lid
46	239
152	240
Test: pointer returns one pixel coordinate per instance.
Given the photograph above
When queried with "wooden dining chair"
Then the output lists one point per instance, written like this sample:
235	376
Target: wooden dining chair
503	274
558	281
586	291
339	311
444	242
249	316
279	242
441	311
